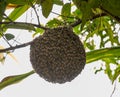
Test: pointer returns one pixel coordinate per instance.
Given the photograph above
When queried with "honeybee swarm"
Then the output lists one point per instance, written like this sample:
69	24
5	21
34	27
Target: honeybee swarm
58	55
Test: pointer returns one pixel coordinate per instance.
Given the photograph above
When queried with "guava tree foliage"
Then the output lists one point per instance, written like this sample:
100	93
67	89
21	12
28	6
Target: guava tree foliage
89	19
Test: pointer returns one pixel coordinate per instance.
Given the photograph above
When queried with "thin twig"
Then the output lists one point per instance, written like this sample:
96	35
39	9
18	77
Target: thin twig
6	41
113	90
79	21
15	47
8	18
36	13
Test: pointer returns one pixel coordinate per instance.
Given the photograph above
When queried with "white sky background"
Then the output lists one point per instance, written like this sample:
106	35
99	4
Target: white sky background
87	84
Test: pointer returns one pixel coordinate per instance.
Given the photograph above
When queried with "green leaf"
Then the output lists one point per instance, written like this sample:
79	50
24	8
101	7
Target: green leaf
58	2
94	3
38	31
109	32
111	60
54	23
111	6
90	45
14	79
66	10
24	26
108	70
9	36
116	74
77	13
102	53
20	2
86	10
17	12
77	3
86	13
46	7
3	5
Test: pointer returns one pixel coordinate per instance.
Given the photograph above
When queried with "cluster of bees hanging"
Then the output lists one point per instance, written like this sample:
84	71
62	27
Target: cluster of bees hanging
58	55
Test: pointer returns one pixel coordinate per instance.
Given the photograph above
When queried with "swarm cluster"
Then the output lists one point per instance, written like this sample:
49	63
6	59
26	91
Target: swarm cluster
58	55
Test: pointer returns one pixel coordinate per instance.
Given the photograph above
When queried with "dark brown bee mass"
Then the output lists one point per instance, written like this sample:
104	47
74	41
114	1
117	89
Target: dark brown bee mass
58	55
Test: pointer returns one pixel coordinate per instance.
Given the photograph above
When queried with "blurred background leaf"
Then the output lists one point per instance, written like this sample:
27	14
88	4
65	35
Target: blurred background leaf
14	79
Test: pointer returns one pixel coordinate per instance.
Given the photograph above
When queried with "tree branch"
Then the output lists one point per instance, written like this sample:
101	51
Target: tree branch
24	23
117	18
15	47
79	21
